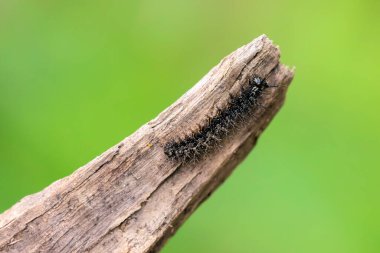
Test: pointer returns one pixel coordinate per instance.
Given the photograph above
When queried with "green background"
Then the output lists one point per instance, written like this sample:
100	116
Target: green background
76	77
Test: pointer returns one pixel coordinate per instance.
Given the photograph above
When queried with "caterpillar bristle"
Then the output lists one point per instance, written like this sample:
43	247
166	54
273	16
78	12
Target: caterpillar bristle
209	136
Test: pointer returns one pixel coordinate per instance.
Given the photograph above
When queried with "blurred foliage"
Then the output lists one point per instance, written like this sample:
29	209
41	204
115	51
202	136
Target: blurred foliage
78	76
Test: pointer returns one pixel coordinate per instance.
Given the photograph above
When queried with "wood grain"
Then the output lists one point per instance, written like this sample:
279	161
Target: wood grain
131	198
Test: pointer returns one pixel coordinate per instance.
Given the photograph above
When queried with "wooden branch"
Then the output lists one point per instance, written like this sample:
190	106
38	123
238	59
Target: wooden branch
132	198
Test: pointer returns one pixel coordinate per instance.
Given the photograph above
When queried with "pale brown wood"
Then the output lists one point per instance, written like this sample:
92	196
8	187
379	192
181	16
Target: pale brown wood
131	198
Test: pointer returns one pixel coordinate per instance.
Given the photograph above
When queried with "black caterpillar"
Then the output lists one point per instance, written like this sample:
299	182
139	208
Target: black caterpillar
197	144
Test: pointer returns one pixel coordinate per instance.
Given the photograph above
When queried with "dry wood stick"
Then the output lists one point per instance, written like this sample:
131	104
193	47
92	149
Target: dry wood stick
132	198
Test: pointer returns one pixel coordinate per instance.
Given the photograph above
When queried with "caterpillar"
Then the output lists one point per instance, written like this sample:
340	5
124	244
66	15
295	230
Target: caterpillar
196	145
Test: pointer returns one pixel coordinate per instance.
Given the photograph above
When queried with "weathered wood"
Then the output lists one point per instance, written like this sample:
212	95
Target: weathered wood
131	198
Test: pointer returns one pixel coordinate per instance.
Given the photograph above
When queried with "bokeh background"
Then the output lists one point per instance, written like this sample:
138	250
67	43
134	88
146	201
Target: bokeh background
76	77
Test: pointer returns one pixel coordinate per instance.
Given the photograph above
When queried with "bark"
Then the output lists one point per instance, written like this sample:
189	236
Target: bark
132	198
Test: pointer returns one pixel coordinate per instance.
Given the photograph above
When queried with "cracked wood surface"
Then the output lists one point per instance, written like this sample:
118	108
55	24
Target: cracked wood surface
131	198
